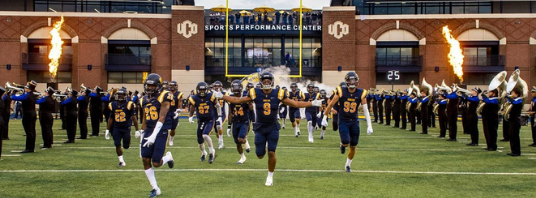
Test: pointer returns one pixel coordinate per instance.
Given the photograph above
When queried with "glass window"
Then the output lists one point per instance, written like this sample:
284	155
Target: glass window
408	8
125	77
457	8
395	8
432	8
276	42
380	9
115	77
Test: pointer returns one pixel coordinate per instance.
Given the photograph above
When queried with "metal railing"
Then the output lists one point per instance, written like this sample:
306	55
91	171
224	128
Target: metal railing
128	59
41	58
489	60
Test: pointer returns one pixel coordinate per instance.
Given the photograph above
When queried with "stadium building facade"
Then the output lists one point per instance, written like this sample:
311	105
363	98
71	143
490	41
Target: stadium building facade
115	43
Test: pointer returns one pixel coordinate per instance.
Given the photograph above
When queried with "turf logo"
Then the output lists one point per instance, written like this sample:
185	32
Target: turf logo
187	28
333	29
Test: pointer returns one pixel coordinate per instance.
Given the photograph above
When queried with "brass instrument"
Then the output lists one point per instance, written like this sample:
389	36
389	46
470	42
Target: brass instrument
425	87
83	88
498	82
436	109
444	88
460	90
14	87
515	81
412	89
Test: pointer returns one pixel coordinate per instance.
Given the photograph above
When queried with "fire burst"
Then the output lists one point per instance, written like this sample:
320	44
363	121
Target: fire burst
55	52
455	54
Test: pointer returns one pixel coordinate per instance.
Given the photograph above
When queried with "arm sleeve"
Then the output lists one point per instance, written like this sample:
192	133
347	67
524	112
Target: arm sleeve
20	98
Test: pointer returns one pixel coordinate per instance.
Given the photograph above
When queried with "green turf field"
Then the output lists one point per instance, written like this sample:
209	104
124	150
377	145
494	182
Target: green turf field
388	163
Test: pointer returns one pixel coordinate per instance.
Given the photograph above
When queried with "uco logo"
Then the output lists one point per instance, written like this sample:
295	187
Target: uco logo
182	28
333	29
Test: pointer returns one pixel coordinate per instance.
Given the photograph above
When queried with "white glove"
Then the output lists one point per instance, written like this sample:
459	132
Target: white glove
217	95
218	123
282	110
107	134
317	103
325	121
319	114
176	115
229	127
150	140
369	130
138	133
191	119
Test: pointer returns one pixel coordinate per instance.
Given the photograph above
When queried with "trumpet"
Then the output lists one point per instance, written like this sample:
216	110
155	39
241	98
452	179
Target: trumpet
83	88
460	90
14	87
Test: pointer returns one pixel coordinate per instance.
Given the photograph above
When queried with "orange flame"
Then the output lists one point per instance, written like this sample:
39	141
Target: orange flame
55	52
455	54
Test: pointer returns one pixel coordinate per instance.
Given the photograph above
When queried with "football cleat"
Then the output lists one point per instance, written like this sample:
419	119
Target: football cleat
203	158
121	164
348	170
247	150
311	140
171	140
155	192
210	158
170	163
343	149
321	137
269	181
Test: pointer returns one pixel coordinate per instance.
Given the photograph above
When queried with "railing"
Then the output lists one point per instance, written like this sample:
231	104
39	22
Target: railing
41	58
128	59
490	60
397	61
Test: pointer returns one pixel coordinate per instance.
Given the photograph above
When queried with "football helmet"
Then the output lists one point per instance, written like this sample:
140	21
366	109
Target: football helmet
352	80
201	89
152	79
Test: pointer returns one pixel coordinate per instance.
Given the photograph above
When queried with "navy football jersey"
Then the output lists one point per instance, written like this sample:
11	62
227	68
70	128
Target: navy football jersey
222	105
122	114
298	96
240	112
174	105
267	104
151	107
309	98
349	103
204	106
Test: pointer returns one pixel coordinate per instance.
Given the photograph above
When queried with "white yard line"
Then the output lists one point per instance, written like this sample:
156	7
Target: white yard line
279	170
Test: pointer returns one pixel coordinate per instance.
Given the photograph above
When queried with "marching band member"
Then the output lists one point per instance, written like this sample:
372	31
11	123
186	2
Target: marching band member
29	116
71	115
46	106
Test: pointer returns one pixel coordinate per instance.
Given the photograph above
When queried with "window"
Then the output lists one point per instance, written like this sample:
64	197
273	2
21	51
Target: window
481	56
44	76
125	77
397	56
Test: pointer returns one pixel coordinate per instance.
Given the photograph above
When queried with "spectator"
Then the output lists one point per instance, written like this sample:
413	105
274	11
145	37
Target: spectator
237	18
277	16
285	19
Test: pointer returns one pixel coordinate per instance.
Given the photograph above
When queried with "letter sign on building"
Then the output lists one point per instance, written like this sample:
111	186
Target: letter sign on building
187	28
338	29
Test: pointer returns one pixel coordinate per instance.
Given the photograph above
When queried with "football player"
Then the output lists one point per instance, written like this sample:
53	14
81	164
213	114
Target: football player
294	113
311	112
156	124
217	86
175	108
206	106
123	113
349	97
239	120
267	127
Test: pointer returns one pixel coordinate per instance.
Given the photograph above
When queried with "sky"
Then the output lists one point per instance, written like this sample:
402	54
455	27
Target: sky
277	4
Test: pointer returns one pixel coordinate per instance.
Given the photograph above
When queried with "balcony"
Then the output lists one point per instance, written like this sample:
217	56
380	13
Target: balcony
400	63
40	61
483	64
128	62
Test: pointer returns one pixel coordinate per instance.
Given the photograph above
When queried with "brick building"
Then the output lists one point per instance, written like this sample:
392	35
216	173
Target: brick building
111	44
